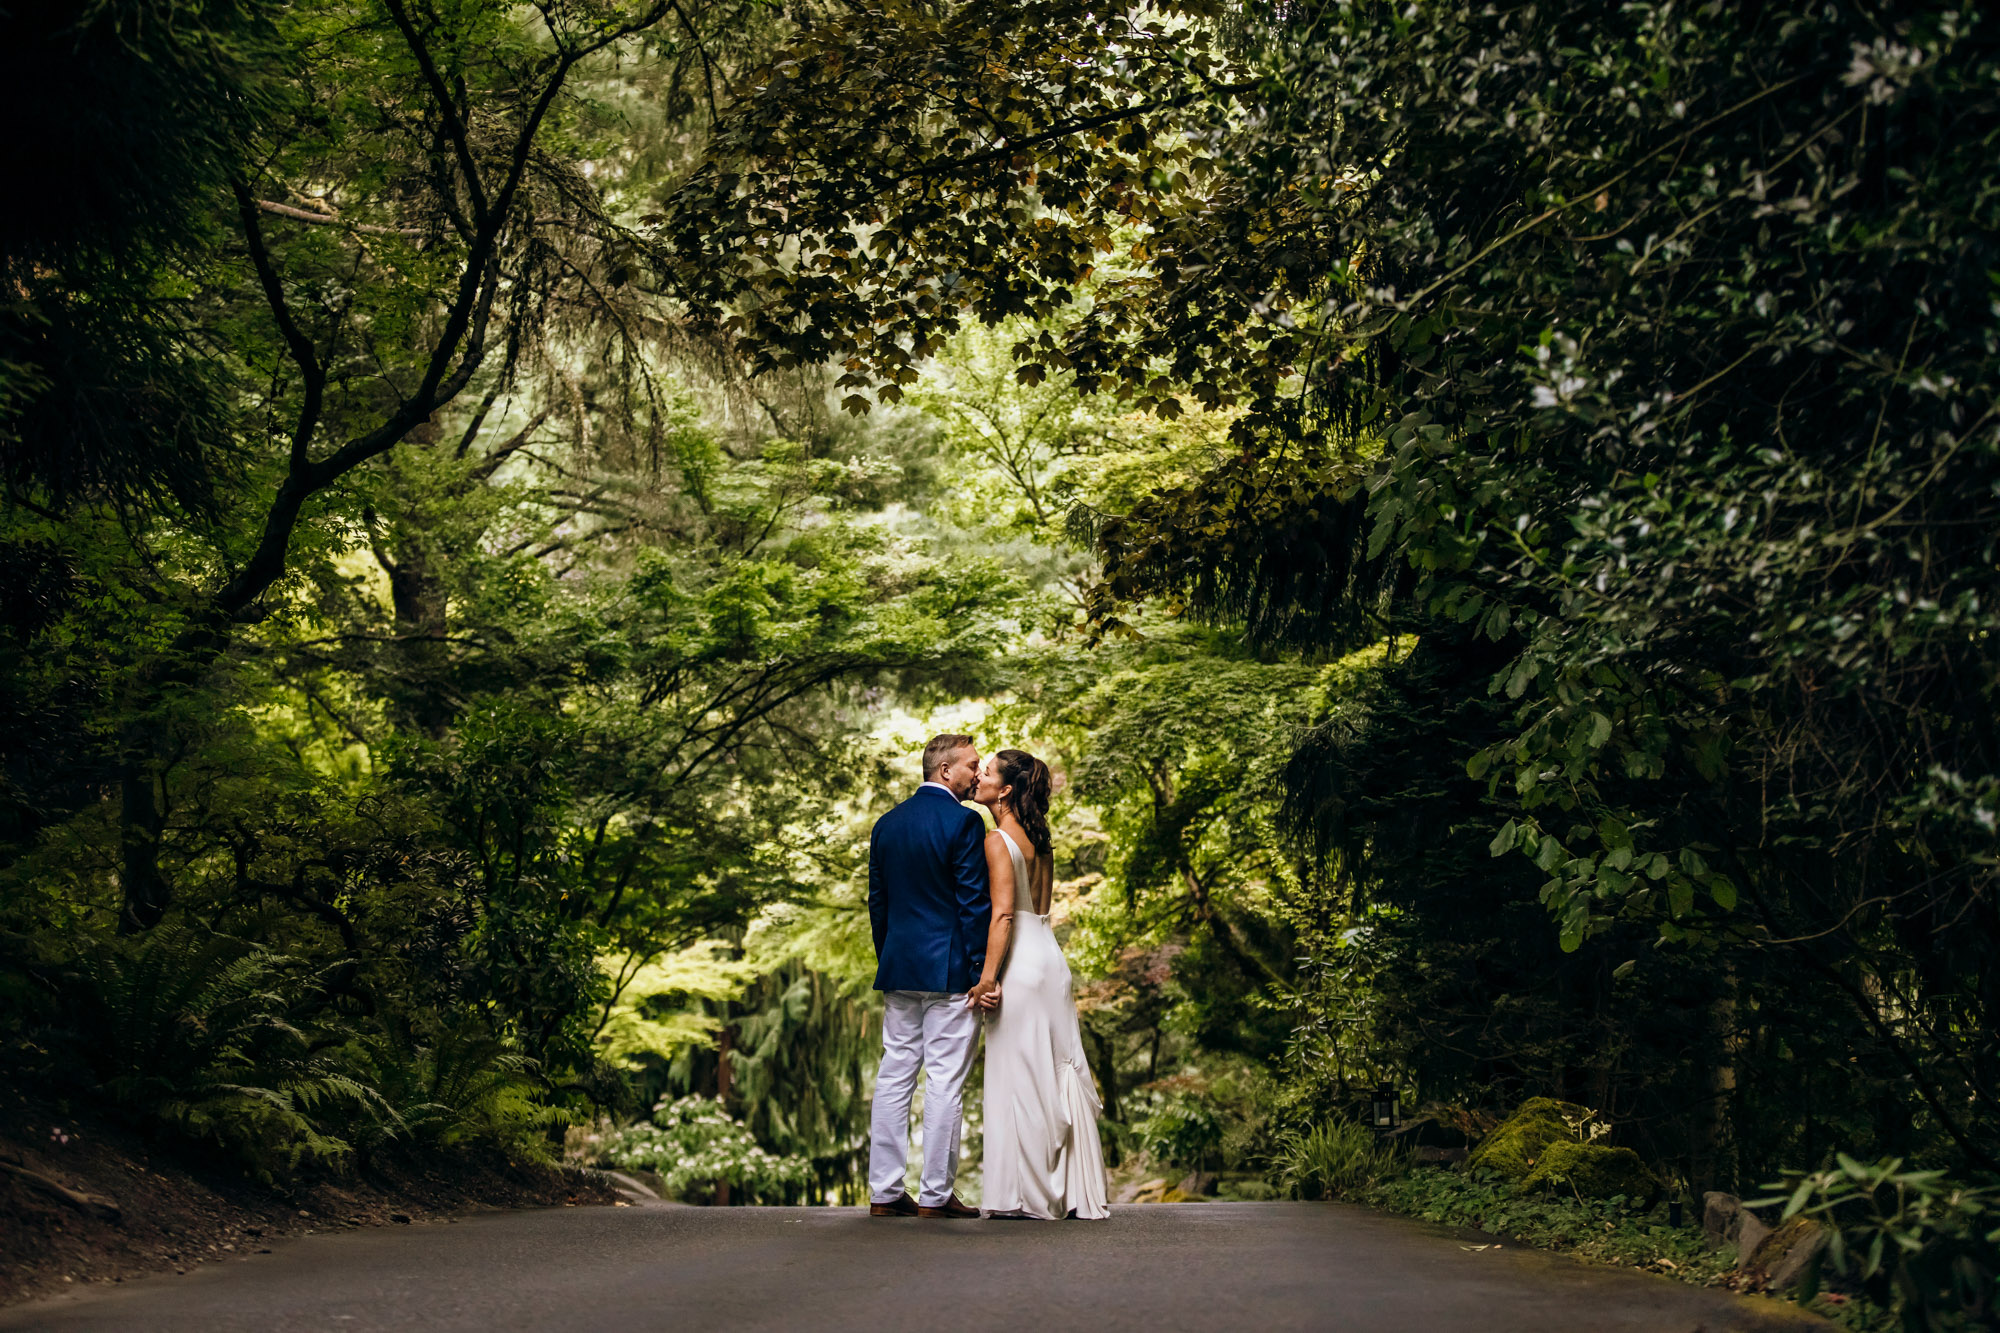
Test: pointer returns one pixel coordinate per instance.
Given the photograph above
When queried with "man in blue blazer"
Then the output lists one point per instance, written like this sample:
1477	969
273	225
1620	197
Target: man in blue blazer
929	905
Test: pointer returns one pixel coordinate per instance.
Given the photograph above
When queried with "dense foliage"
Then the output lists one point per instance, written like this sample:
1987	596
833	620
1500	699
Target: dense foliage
493	641
1637	361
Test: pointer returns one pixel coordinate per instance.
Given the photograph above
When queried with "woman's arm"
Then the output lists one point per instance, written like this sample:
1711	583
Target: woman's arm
1000	935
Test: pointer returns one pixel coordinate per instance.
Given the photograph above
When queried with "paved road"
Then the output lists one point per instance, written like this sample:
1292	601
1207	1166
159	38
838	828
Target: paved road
1149	1270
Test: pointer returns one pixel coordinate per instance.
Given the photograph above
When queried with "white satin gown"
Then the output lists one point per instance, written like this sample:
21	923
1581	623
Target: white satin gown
1043	1158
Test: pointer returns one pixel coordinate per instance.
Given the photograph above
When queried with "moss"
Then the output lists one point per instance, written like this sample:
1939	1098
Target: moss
1519	1141
1593	1170
1772	1250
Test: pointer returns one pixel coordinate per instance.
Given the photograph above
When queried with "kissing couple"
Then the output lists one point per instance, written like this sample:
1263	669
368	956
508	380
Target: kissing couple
959	901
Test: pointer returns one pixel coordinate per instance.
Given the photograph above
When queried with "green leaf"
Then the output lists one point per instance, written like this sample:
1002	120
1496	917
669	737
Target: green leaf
1503	841
1600	730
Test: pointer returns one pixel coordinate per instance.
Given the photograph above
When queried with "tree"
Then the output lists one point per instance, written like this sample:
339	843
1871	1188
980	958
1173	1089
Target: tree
497	652
1650	348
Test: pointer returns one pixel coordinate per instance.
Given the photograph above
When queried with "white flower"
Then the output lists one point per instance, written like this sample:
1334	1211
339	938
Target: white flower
1885	66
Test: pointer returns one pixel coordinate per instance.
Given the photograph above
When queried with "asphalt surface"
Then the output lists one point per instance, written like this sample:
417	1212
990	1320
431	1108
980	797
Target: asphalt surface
1151	1268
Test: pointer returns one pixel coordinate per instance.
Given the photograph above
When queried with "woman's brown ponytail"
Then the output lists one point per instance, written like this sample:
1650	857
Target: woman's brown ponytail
1029	777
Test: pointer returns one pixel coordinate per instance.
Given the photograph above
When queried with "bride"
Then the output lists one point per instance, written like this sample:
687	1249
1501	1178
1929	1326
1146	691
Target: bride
1042	1154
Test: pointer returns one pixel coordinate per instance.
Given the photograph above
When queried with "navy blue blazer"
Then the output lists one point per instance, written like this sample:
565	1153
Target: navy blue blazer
928	899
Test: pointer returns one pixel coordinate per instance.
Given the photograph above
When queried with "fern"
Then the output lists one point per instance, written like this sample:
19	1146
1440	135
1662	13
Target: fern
197	1033
194	1032
464	1083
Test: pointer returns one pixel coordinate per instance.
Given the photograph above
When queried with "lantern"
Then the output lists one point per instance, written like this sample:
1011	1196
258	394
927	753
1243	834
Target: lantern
1383	1109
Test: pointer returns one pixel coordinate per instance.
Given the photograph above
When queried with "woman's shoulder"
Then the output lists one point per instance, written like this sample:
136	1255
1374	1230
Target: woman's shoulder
1021	848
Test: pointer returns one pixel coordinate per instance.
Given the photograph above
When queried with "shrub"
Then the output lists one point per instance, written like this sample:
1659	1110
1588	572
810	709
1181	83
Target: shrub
1615	1230
459	1083
1334	1159
1182	1131
194	1032
694	1145
1248	1191
1919	1244
211	1038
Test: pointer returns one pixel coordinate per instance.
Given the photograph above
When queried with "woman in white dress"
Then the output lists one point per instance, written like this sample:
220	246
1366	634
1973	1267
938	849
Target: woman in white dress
1043	1158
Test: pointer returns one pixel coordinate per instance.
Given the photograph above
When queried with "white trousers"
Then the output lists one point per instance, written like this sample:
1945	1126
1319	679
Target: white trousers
936	1033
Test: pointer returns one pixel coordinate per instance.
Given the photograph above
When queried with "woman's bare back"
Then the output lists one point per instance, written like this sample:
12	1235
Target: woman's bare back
1040	888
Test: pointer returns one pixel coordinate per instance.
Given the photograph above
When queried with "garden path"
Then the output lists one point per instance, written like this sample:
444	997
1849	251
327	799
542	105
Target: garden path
1153	1268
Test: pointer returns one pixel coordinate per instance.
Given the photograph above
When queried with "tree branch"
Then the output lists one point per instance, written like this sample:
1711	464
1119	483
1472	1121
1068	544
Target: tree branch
486	466
462	339
455	130
333	220
91	1203
478	420
295	339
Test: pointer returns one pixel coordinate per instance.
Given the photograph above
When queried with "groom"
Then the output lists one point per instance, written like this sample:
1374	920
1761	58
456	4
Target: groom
929	906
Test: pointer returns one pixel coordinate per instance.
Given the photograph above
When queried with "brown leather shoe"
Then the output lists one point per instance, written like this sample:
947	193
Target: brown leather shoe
900	1206
953	1208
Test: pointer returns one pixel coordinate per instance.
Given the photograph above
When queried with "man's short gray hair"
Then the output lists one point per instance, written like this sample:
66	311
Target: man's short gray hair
939	750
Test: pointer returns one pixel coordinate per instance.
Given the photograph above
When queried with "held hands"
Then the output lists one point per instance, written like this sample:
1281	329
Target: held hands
984	996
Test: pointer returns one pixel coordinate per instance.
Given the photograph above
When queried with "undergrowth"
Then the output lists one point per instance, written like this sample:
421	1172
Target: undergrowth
1334	1159
214	1040
1609	1231
1617	1231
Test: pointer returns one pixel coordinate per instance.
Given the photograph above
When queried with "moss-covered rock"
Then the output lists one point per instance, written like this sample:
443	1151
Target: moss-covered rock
1593	1170
1782	1257
1518	1142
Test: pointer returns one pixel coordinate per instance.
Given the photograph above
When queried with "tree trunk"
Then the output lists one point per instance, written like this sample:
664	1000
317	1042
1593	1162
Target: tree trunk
1107	1079
140	821
420	653
420	658
1714	1165
724	1081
